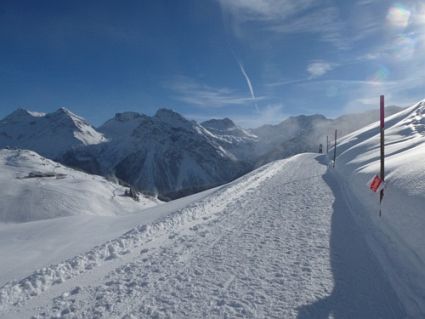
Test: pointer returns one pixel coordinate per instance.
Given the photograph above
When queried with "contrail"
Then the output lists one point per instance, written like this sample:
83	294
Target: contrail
248	82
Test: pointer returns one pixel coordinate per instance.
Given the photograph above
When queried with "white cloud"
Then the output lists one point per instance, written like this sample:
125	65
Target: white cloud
201	95
319	68
270	114
364	95
322	21
255	10
288	16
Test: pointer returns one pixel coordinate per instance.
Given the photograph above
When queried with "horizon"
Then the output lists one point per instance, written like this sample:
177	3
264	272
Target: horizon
256	62
36	113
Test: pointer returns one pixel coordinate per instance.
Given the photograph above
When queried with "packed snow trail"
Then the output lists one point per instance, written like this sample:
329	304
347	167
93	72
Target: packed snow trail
281	243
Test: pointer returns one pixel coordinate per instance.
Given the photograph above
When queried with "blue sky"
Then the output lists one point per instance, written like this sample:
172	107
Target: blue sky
255	61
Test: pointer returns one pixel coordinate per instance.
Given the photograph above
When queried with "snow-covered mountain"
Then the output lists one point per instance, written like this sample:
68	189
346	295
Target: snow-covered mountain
50	134
305	133
297	222
233	138
122	125
227	128
292	136
165	154
35	188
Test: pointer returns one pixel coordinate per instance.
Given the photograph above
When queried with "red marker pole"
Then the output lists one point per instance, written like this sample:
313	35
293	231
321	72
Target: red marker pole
382	128
335	147
327	144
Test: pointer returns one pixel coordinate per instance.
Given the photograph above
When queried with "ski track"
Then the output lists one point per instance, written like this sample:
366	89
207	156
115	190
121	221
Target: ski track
260	248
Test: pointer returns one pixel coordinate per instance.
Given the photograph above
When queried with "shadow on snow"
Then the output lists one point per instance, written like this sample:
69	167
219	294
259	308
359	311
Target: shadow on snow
361	289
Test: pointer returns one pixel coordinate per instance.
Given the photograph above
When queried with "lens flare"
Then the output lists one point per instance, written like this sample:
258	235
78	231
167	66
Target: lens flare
398	15
381	74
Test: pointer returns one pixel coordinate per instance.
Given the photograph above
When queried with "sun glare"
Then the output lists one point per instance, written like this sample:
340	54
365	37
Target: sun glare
399	16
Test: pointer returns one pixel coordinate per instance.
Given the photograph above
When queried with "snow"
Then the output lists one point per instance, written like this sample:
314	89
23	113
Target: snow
46	220
279	242
50	134
122	125
119	148
226	129
295	238
66	192
154	154
397	236
25	247
173	119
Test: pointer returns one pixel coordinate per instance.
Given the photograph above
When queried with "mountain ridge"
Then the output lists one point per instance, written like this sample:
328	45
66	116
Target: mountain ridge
50	134
166	154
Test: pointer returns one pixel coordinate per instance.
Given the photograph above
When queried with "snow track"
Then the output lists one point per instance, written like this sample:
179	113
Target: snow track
277	243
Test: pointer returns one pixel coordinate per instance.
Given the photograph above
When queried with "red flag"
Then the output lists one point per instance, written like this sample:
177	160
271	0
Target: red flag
375	183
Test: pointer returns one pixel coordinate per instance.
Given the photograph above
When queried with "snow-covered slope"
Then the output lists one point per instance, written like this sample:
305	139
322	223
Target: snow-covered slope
233	138
279	242
25	247
349	123
227	129
305	133
34	188
292	239
49	134
294	135
398	235
164	154
122	125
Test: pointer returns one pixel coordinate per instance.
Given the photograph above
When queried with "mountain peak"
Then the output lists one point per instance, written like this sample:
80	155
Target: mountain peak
18	114
49	134
63	111
20	111
122	124
167	113
311	117
127	116
172	118
219	124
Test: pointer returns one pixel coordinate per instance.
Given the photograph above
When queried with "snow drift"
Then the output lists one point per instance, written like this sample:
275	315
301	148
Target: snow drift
397	237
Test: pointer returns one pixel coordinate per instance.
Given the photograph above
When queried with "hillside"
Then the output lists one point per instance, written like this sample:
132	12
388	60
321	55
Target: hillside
279	242
35	188
304	133
50	135
293	239
165	154
397	236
